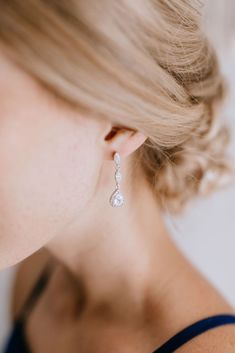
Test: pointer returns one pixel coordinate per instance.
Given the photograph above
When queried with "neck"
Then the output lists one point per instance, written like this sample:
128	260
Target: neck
124	259
105	244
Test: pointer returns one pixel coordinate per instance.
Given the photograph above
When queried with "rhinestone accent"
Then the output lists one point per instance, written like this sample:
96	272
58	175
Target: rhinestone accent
117	158
118	176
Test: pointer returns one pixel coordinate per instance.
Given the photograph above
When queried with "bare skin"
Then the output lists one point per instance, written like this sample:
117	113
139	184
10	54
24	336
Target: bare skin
120	285
98	330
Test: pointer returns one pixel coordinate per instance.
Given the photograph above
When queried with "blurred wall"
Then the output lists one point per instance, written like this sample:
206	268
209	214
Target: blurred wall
220	24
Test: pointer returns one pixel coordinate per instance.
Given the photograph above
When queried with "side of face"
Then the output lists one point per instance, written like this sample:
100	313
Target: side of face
49	164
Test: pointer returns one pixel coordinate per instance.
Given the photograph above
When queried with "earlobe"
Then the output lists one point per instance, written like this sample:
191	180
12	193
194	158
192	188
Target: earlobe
123	140
137	139
131	142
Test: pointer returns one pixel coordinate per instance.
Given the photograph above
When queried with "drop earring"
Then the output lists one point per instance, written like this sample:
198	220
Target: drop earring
117	199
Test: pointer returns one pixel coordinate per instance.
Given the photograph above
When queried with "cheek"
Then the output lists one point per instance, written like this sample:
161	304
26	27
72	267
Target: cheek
48	175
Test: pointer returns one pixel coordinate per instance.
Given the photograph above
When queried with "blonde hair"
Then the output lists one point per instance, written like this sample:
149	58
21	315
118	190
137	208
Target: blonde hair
144	64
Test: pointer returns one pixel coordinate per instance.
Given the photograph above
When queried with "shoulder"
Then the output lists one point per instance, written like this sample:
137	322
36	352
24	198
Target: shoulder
217	340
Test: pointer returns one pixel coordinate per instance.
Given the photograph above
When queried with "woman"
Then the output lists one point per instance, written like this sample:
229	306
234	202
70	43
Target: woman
108	120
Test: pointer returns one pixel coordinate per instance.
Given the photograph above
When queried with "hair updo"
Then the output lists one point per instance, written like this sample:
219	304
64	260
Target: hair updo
144	64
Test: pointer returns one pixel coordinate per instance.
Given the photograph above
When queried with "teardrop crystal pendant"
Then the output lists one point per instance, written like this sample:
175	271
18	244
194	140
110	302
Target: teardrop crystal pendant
116	199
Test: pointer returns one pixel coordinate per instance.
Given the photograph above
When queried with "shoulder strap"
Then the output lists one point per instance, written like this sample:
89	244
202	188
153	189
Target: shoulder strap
16	342
37	289
195	330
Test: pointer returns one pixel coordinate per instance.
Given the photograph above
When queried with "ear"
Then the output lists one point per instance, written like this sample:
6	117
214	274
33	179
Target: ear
123	140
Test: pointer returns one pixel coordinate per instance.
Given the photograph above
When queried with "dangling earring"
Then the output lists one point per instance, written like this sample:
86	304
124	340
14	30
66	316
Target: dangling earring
117	199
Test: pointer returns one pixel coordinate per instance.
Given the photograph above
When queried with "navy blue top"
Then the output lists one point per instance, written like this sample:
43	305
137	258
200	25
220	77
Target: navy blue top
17	341
194	330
